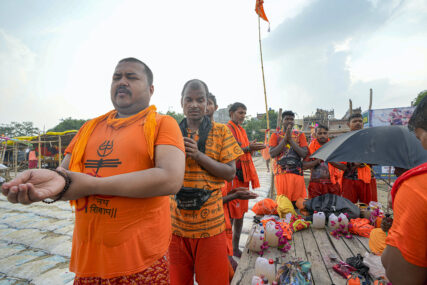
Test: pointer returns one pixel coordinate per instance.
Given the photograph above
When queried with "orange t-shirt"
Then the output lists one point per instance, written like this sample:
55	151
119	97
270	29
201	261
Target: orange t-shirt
116	236
275	139
409	230
209	220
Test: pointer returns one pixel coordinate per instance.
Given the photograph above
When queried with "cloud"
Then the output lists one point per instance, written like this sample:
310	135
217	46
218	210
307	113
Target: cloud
311	57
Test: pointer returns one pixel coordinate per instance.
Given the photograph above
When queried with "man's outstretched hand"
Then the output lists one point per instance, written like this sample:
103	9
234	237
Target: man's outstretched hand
33	186
242	193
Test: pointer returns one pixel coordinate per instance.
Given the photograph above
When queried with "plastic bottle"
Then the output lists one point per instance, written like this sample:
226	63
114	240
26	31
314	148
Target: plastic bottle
265	267
256	280
333	222
319	220
271	228
343	220
257	239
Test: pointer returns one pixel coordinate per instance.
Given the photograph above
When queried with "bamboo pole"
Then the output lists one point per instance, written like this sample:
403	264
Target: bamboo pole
15	157
59	150
40	154
263	78
370	99
351	107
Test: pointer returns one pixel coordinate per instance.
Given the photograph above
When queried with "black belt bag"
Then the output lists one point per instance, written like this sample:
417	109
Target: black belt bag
192	198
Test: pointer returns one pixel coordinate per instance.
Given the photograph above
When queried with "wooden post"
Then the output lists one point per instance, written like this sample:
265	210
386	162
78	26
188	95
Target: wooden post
262	70
3	151
40	154
351	107
15	157
370	99
59	150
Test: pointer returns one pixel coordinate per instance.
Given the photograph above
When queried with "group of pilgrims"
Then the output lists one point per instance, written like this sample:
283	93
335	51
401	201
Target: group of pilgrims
178	192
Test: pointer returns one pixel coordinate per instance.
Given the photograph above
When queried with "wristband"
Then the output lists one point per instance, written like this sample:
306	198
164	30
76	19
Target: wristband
67	185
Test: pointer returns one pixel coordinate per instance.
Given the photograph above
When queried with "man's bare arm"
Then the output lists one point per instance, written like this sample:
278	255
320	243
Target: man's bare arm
165	178
399	271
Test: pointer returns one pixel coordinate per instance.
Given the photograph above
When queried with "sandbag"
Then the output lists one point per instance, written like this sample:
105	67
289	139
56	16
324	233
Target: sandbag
332	204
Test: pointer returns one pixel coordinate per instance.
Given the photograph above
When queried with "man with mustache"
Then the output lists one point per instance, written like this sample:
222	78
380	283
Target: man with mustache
119	171
199	245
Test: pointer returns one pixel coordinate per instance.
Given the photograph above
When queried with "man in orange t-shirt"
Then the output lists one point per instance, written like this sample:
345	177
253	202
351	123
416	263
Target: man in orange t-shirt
358	183
199	245
123	167
324	176
288	148
405	257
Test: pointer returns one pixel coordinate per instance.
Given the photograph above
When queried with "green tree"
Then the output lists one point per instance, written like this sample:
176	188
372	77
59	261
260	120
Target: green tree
420	97
68	124
255	128
177	116
16	129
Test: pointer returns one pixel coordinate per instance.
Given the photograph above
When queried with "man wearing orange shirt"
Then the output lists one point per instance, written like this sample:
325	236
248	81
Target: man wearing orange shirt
358	183
324	176
199	243
405	257
122	168
288	147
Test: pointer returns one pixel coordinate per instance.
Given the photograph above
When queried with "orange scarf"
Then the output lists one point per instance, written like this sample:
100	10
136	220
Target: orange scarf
334	173
364	174
249	172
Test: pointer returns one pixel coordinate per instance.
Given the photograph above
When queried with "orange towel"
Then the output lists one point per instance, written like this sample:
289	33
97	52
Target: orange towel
377	241
249	171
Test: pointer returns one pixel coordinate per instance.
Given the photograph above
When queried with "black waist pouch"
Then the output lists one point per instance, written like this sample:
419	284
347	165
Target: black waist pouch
239	174
191	198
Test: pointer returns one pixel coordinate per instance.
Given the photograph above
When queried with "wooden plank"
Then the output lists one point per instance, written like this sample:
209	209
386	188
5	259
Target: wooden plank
365	242
340	246
326	249
355	246
319	271
298	245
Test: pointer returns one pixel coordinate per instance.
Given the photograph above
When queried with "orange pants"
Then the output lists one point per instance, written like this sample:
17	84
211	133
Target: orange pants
316	189
207	257
237	207
290	185
357	190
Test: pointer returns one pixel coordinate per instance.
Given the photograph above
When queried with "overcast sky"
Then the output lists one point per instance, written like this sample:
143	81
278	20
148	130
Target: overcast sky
57	57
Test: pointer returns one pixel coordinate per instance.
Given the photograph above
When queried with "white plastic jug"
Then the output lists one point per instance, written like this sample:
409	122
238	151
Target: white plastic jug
256	239
271	228
265	267
319	220
343	220
333	222
256	280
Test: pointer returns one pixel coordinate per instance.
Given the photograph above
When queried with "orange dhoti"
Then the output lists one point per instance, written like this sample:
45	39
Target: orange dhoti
357	190
206	257
317	188
291	185
237	207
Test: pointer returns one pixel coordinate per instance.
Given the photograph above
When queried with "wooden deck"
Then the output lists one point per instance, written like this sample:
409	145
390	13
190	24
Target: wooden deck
313	245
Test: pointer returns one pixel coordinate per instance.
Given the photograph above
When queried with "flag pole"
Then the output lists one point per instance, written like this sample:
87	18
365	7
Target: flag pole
263	78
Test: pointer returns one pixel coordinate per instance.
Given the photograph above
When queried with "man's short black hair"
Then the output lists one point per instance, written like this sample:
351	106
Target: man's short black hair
195	84
319	126
419	117
288	113
147	70
213	98
236	106
354	115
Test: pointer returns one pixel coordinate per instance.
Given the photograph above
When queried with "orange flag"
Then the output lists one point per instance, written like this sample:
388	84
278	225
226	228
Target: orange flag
259	9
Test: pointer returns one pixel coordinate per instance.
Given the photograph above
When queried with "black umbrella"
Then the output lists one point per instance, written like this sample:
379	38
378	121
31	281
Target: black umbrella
391	146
